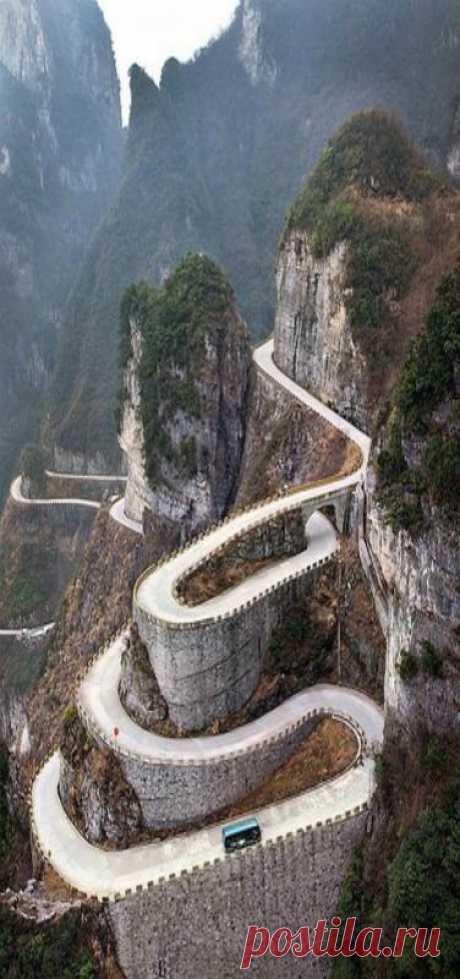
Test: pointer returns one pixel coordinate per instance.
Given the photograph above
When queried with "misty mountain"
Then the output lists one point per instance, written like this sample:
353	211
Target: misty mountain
60	154
217	152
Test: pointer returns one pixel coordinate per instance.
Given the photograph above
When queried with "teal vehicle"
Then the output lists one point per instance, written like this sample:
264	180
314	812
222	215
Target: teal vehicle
237	836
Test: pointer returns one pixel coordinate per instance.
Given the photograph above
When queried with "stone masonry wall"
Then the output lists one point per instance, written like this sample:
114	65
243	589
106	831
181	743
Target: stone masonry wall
282	537
196	925
207	671
174	795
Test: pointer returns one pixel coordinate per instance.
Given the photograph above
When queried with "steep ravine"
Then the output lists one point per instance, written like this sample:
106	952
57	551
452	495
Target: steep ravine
60	156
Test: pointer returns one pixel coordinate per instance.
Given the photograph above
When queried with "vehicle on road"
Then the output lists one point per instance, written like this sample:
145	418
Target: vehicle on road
237	836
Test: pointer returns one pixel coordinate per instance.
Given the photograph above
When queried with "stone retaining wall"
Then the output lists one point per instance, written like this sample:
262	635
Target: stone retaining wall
210	669
196	925
175	794
283	536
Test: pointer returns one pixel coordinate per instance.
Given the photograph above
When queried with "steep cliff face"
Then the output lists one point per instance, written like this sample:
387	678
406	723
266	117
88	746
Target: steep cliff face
93	789
345	328
287	445
413	522
314	340
421	583
60	145
184	400
258	62
407	393
411	535
361	254
218	150
23	46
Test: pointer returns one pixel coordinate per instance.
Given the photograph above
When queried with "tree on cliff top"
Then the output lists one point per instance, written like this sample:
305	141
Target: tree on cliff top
370	153
196	302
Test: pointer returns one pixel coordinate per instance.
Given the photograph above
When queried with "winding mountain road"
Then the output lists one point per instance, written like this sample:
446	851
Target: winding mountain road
103	874
263	358
106	874
86	477
18	497
117	512
99	700
155	592
35	632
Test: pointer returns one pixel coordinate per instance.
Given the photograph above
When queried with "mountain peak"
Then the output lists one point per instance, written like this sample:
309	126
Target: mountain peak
144	93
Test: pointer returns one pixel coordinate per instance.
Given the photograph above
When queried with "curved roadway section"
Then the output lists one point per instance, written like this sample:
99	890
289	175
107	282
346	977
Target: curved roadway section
86	477
100	704
104	874
117	512
17	496
155	592
263	358
107	874
36	632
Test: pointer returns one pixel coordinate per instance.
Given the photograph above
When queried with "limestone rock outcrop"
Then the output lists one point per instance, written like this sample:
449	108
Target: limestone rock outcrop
139	690
94	791
408	519
216	152
420	579
259	64
184	455
313	339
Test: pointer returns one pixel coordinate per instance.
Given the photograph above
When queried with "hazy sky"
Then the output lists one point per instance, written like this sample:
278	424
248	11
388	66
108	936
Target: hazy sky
150	31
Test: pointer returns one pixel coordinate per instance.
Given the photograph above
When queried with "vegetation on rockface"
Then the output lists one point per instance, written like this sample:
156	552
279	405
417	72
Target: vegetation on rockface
173	322
21	666
371	153
5	827
28	561
406	873
400	486
32	465
15	855
92	771
429	662
407	666
424	884
29	950
367	191
431	375
426	414
286	447
37	558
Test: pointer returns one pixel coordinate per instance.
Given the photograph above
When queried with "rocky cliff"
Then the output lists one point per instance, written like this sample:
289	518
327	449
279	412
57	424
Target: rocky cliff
361	254
185	391
60	145
421	583
345	328
217	151
413	522
384	347
314	339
